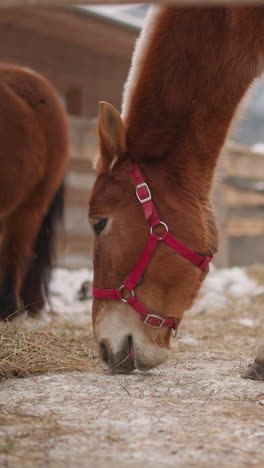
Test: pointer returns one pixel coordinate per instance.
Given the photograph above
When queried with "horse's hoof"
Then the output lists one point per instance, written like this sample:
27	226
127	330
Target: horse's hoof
256	370
9	308
85	292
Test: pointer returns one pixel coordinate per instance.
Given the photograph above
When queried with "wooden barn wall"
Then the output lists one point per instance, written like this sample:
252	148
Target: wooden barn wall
71	52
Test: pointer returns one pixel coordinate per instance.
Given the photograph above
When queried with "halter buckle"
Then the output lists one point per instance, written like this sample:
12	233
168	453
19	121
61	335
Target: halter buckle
146	187
155	317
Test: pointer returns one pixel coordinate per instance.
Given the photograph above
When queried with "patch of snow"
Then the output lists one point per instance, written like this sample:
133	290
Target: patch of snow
258	148
221	286
218	290
64	288
188	340
246	322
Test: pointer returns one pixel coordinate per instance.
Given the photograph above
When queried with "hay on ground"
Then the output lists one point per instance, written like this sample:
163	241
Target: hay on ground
49	348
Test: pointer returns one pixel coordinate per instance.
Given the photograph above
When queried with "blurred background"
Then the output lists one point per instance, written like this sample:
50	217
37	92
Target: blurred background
86	52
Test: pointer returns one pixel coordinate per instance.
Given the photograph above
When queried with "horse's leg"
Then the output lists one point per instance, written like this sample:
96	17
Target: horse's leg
28	251
256	370
35	287
9	304
19	233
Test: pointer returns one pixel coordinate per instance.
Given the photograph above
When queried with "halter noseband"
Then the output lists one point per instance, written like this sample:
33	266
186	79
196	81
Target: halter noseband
151	215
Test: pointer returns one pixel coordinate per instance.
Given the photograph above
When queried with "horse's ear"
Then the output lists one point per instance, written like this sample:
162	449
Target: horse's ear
112	136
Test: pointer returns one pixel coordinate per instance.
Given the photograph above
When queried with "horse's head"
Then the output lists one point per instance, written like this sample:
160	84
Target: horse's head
170	282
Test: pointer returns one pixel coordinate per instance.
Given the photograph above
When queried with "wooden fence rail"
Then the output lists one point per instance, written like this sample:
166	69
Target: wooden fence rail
64	3
239	200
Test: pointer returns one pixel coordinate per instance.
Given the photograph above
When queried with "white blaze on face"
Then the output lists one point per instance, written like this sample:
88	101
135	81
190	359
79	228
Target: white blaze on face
142	45
115	322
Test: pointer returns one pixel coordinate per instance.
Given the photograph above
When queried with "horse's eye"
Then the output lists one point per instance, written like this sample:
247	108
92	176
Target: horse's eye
99	224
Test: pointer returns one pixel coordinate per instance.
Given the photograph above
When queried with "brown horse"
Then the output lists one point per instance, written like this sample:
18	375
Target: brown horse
33	156
190	70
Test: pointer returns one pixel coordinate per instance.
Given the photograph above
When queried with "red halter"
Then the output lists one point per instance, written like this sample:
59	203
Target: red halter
144	197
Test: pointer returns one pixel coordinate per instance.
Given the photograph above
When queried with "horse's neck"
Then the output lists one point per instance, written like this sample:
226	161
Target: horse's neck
190	70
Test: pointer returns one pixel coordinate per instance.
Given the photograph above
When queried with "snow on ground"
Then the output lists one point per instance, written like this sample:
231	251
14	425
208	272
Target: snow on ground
258	148
224	285
64	290
219	289
194	411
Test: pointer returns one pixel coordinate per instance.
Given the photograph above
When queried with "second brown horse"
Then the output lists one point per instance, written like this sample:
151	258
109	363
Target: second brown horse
33	157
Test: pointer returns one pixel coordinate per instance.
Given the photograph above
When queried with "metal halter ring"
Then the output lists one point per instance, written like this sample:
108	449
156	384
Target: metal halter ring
160	223
132	293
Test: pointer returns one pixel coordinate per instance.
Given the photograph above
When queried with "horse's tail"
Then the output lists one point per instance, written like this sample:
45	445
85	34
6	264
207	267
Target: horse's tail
35	289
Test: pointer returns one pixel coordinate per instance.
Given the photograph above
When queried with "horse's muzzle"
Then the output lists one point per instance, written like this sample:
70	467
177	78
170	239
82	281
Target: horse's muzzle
123	361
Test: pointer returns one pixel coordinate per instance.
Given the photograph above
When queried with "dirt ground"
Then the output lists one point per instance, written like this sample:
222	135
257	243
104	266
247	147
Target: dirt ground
195	411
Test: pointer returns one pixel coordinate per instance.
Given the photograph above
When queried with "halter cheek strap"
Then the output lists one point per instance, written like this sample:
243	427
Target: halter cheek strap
126	292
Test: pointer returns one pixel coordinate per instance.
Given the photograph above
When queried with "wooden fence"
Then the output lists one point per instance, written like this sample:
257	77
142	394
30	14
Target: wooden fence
75	241
239	200
238	196
64	3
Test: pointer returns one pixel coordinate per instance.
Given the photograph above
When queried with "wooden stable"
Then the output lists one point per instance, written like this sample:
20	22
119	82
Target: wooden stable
85	56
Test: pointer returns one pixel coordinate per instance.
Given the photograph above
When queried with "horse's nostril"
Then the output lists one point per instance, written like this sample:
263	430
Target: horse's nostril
130	342
104	352
131	350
